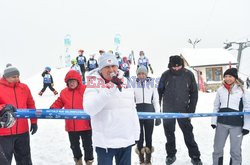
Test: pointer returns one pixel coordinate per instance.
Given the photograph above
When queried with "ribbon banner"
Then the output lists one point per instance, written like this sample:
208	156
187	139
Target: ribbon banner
80	114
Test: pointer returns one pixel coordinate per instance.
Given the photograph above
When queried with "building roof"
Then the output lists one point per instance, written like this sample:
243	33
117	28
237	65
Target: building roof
207	57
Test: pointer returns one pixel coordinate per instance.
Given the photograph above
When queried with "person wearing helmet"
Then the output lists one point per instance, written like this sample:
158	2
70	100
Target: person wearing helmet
143	60
47	81
81	61
75	66
92	63
125	66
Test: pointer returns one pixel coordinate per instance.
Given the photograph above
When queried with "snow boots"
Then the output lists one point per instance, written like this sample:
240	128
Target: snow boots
89	162
40	93
78	161
141	155
170	160
148	155
55	92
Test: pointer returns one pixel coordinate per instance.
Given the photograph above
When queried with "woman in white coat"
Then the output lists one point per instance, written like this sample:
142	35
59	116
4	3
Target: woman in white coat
231	97
147	100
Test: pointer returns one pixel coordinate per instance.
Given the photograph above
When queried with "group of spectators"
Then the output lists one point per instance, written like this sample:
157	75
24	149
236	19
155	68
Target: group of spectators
114	126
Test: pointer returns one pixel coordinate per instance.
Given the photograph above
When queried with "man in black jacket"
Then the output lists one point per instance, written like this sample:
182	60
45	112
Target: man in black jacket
178	89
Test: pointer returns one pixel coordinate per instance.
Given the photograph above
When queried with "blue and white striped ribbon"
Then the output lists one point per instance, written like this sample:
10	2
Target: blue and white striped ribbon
80	114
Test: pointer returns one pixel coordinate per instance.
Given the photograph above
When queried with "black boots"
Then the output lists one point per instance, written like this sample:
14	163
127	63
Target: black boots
170	160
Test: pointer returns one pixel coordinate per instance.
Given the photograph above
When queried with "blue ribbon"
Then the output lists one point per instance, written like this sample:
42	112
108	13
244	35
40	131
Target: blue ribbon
80	114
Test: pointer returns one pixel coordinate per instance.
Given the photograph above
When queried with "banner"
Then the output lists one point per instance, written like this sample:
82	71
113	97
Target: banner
80	114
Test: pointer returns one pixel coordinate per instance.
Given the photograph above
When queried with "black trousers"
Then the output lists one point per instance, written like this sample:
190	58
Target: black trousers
187	130
86	136
19	145
147	127
47	85
82	67
3	158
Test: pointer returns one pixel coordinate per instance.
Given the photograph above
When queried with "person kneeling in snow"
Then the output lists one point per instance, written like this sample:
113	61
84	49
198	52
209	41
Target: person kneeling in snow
111	106
71	98
230	97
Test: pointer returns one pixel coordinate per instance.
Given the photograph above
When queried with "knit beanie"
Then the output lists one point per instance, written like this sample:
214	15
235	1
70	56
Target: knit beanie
7	65
175	61
10	71
107	60
142	69
232	72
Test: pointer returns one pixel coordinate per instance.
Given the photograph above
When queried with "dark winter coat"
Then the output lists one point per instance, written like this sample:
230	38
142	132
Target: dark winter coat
179	92
92	64
81	60
72	99
18	95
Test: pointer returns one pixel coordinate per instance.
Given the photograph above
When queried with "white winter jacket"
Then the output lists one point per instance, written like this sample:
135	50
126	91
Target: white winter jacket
224	99
77	68
147	93
114	118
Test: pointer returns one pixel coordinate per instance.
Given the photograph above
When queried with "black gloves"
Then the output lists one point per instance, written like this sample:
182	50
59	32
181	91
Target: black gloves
245	132
33	128
117	81
213	126
157	122
7	116
190	110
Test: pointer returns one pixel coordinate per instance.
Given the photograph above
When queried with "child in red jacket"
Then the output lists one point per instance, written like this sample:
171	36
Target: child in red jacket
71	97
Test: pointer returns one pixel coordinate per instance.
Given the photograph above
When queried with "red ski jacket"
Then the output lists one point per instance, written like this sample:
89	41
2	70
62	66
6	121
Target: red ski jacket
72	99
18	95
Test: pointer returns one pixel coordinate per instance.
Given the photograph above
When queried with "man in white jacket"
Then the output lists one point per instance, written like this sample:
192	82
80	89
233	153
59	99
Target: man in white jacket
111	106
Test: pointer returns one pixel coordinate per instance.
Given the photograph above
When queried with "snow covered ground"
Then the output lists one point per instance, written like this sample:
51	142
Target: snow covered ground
50	145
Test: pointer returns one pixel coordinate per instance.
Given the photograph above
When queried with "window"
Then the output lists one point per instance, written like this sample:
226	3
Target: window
214	74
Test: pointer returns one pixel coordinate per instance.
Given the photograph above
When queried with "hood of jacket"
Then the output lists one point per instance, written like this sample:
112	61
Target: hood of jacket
72	74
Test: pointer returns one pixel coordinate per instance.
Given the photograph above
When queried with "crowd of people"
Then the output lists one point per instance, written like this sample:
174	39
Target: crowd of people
114	126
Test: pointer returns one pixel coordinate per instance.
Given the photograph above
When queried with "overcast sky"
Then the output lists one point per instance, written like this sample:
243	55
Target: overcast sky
32	31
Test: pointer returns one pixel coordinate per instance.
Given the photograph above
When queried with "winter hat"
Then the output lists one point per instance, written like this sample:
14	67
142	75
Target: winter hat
232	72
9	64
107	60
142	69
175	61
10	71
